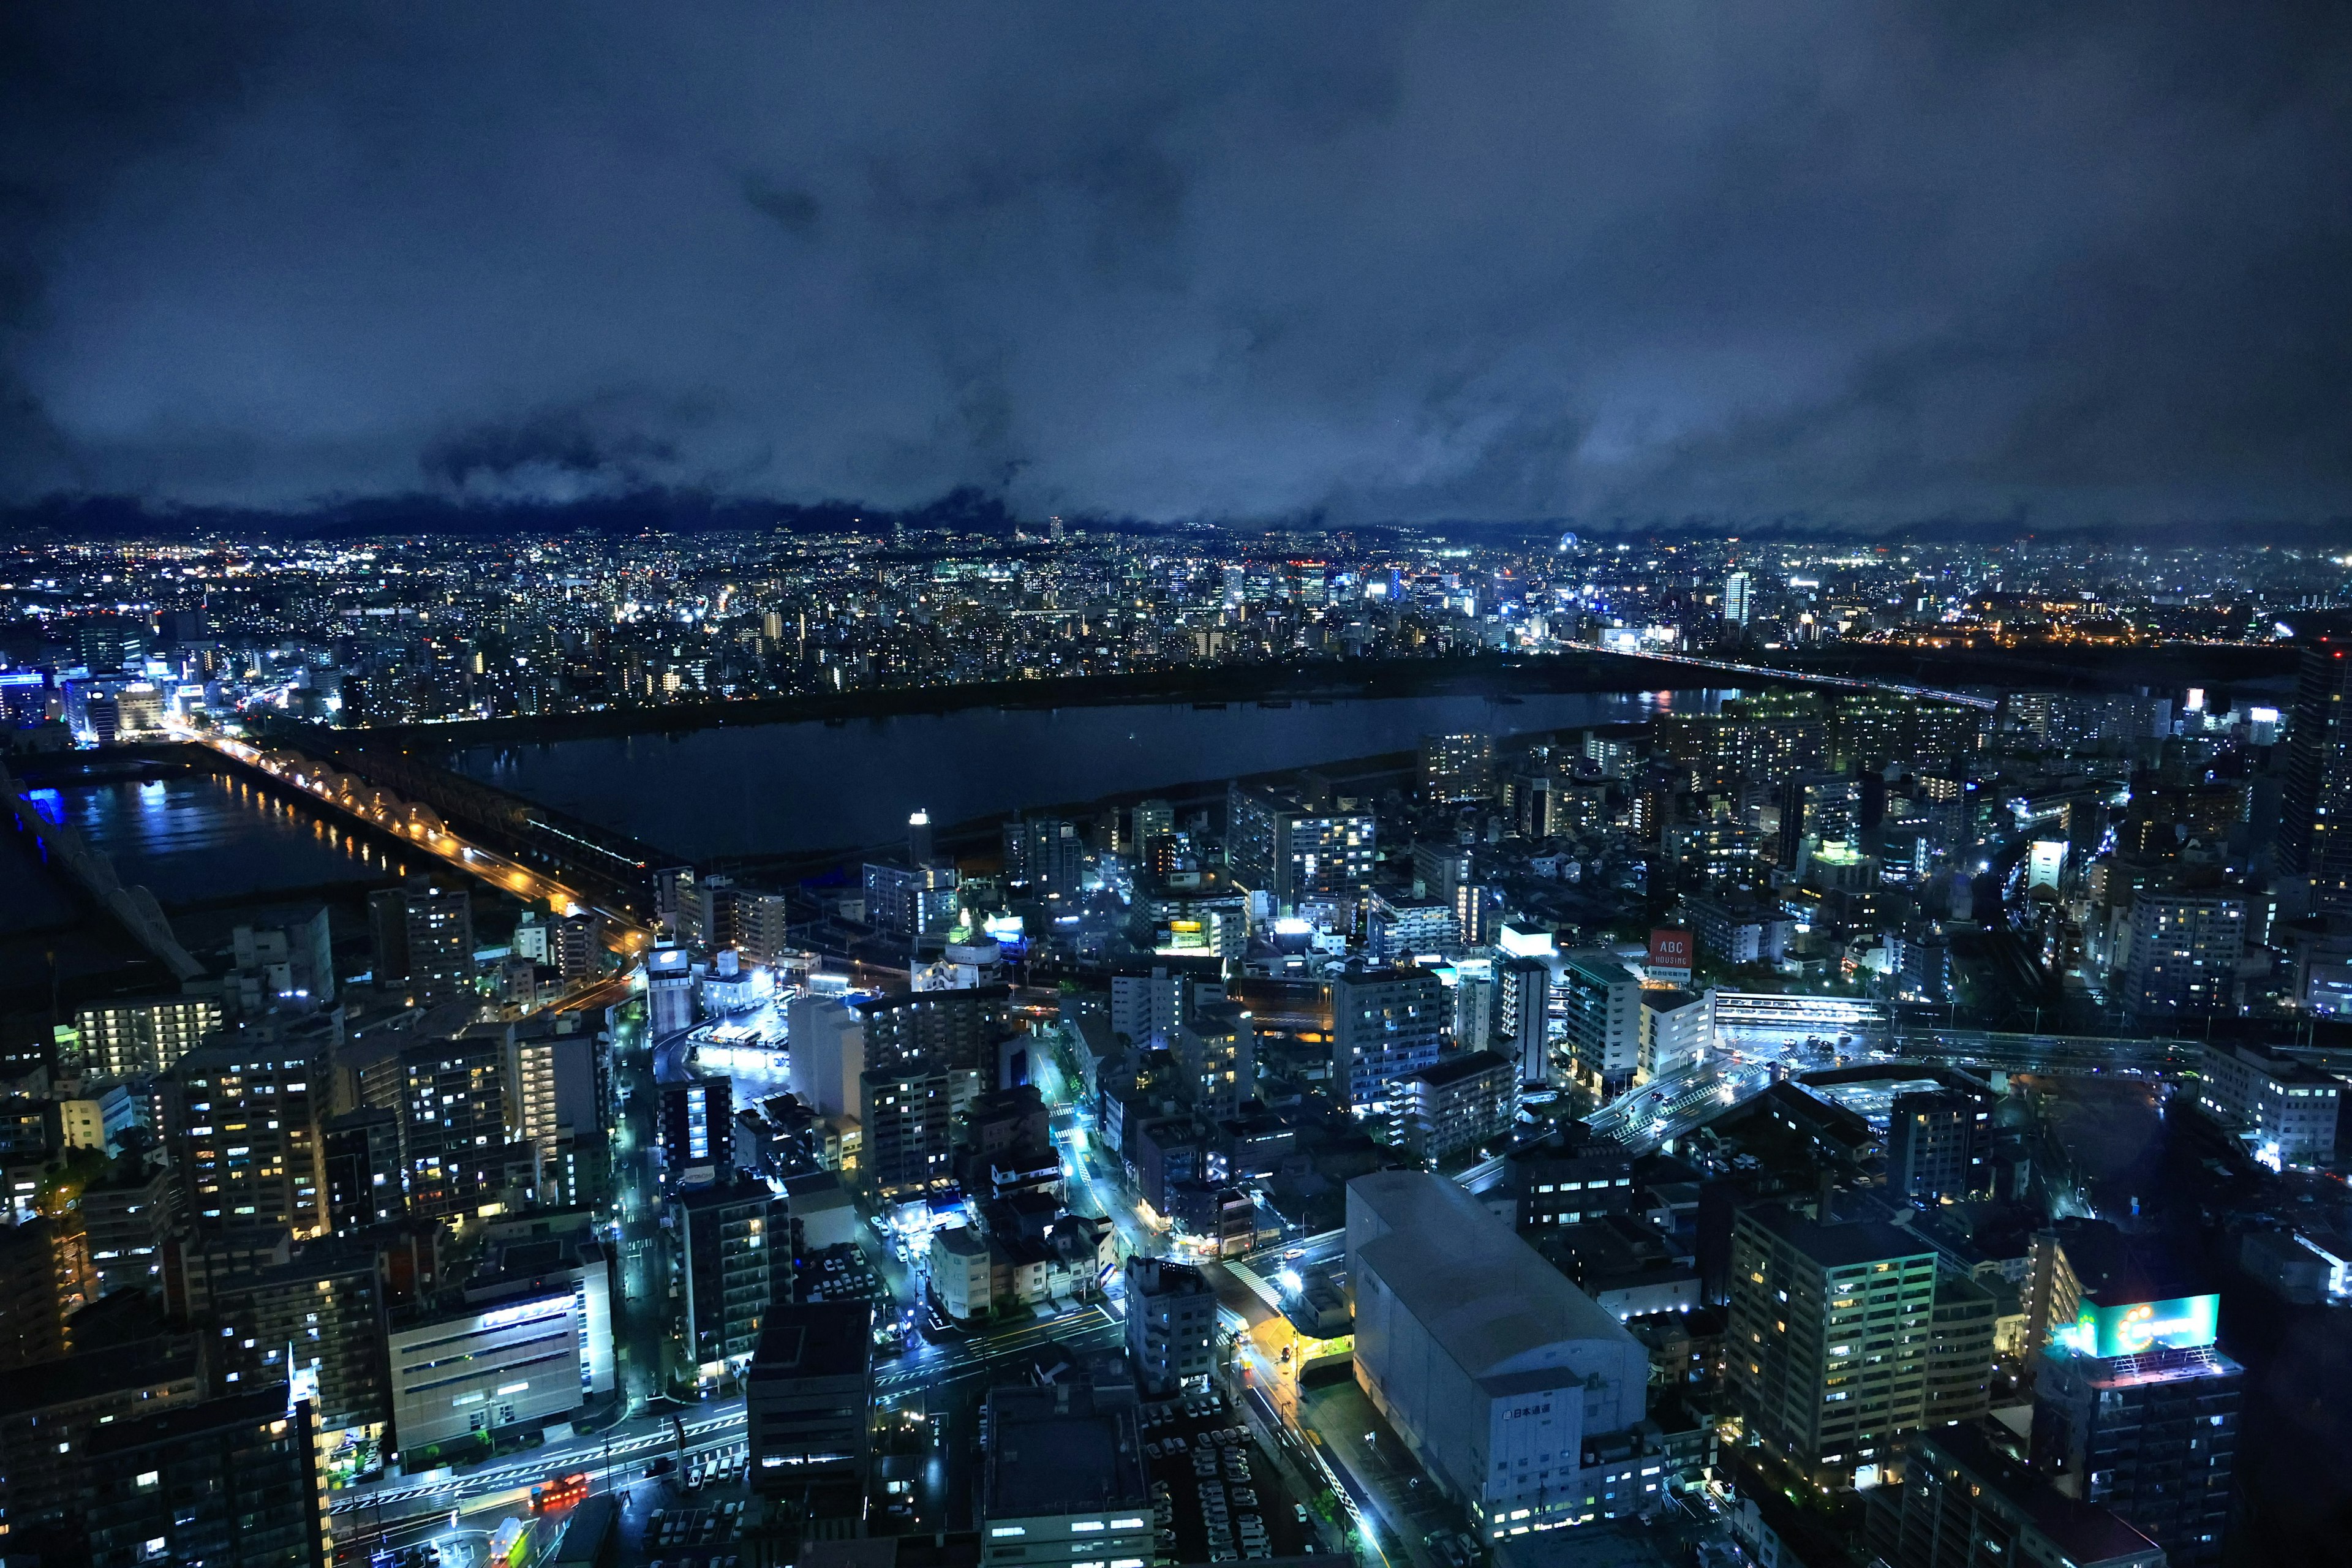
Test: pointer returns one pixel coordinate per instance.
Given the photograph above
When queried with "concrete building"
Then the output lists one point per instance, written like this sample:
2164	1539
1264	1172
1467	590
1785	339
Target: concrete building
963	1272
807	1397
1843	1338
1215	1048
1677	1030
1459	1102
1498	1373
424	942
230	1480
125	1219
696	1124
241	1122
1936	1144
452	1125
1278	844
940	1029
1386	1025
828	1052
359	1155
2135	1409
2289	1109
1064	1478
1172	1323
2185	949
136	1037
1600	1006
317	1322
1522	1022
507	1361
1457	767
724	1263
50	1410
554	1104
669	991
906	1118
1962	1503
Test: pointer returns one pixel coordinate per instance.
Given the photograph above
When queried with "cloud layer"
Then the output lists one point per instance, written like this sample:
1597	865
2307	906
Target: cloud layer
1653	259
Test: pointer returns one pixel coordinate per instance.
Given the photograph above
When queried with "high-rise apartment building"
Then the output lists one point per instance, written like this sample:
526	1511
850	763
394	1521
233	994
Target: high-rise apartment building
318	1322
1386	1025
1963	1503
906	1116
138	1037
2314	834
1172	1323
241	1121
230	1480
1736	598
942	1028
724	1240
2137	1410
698	1129
1277	844
360	1154
1457	767
44	1279
1215	1048
1937	1145
1460	1101
1600	1005
2185	949
1047	853
554	1105
1841	1338
452	1125
125	1217
424	942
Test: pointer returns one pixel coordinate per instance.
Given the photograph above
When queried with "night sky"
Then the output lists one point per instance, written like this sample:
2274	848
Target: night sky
1872	264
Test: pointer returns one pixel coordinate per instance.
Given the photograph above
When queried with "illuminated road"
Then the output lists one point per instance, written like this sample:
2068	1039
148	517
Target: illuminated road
400	1509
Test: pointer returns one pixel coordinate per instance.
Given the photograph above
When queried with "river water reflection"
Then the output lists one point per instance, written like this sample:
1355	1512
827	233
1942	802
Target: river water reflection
770	789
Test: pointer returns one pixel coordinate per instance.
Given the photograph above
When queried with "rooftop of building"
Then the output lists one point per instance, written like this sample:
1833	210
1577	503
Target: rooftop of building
2280	1068
1470	1281
1062	1449
2083	1532
815	1339
1842	1244
1458	1066
94	1375
188	1421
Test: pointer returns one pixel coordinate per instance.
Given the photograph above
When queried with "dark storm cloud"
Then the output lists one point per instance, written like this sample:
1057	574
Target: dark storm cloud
1863	263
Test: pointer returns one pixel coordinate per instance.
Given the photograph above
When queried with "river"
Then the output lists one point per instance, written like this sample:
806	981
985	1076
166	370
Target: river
206	839
774	789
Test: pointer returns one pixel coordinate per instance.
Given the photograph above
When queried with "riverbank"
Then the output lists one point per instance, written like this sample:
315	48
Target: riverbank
1500	675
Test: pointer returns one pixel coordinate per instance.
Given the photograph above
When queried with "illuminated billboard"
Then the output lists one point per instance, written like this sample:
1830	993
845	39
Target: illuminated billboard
2131	1327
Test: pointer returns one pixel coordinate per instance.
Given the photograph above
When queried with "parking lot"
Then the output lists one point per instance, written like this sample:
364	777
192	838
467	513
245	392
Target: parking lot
694	1537
1215	1497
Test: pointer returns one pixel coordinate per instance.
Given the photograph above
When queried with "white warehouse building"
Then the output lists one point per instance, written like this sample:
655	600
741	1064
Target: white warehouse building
1495	1368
